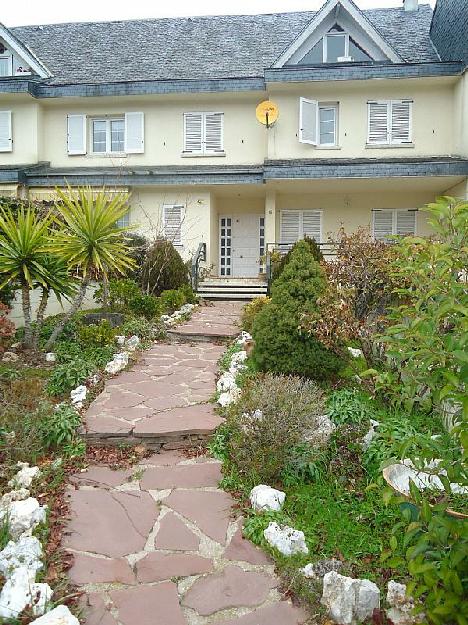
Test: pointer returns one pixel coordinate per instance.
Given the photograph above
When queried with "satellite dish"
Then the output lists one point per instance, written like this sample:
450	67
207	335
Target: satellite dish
267	113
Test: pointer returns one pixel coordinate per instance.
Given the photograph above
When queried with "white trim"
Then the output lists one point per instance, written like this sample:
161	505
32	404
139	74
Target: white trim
335	109
108	151
302	103
325	11
24	52
9	128
225	275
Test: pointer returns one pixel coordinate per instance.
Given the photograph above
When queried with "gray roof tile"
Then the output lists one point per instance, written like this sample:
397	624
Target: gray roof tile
198	47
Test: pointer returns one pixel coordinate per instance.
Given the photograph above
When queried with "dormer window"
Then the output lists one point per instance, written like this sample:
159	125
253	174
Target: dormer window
6	65
335	47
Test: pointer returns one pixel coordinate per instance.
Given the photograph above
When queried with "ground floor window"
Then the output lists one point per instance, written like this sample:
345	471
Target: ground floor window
172	223
225	255
297	224
393	221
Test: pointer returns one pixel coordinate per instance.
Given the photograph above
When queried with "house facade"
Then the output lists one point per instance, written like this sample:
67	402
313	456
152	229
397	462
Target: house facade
372	122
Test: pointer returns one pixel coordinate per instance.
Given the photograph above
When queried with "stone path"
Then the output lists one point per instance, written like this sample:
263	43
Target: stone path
158	545
163	400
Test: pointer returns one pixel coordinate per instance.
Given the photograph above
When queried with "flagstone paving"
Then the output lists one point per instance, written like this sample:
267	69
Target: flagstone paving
154	547
163	401
159	544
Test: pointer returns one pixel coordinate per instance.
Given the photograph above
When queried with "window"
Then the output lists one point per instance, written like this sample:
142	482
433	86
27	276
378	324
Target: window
124	221
172	223
335	47
389	122
6	138
387	222
203	133
108	136
296	224
318	123
6	65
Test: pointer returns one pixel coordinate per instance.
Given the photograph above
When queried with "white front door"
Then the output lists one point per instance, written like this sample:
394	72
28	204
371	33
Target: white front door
241	259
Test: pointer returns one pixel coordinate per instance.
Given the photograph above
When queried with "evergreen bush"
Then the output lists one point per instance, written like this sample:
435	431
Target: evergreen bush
163	268
280	346
278	267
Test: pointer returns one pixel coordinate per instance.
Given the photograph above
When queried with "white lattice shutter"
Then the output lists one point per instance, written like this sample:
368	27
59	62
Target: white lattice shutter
134	133
76	134
401	122
405	222
290	226
378	131
6	135
312	224
213	133
308	121
193	133
173	223
382	224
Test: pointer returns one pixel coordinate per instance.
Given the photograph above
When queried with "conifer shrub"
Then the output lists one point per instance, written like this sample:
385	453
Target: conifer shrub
163	268
280	346
251	310
278	267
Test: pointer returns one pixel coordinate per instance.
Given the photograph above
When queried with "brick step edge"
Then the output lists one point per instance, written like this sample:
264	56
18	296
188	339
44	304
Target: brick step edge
154	442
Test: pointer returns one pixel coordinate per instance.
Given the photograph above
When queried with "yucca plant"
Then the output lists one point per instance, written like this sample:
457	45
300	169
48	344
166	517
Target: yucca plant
25	259
89	240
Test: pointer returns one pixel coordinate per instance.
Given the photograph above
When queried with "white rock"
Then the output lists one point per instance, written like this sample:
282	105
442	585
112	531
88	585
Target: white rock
50	357
355	353
370	435
401	606
349	601
120	340
400	475
118	363
41	594
14	495
132	343
320	434
286	539
226	382
229	397
308	571
264	497
186	308
319	569
243	338
78	395
16	593
23	516
58	616
25	476
239	357
27	552
10	357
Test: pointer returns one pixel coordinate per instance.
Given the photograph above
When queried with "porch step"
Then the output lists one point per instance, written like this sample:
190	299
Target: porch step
231	289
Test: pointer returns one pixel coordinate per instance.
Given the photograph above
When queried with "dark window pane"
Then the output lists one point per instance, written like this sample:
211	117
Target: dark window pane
335	47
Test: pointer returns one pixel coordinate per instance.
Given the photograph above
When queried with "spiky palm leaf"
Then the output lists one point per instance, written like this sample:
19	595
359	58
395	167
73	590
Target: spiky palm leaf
89	238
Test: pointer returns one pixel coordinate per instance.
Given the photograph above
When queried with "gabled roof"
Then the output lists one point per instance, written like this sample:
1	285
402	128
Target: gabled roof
449	30
200	47
21	49
333	10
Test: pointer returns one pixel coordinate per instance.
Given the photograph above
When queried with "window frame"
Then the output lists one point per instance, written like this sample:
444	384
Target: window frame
325	45
203	152
335	108
176	241
108	121
318	107
389	141
7	57
301	212
394	212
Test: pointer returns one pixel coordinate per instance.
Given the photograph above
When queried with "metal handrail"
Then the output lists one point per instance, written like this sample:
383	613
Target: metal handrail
197	258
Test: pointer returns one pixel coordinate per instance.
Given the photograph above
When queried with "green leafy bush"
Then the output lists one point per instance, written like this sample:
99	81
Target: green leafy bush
147	306
283	260
280	346
163	268
172	299
121	292
59	426
270	419
351	405
190	296
69	332
69	375
250	311
146	330
97	335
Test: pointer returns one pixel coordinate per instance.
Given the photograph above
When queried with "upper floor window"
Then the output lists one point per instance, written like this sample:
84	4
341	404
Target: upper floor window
335	47
6	139
389	122
393	221
318	123
108	136
6	65
203	133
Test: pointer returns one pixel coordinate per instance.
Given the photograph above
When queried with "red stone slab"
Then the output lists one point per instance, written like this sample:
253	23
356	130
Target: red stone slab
242	550
157	567
232	588
185	476
102	476
276	614
198	419
149	605
93	570
174	535
108	425
209	510
95	611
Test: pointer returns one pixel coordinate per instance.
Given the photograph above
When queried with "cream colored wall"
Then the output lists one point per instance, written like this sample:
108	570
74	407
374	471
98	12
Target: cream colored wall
26	124
352	210
460	116
244	138
459	190
433	126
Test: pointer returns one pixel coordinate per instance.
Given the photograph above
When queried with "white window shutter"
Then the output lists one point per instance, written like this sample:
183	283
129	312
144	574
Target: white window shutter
405	222
401	122
312	224
213	132
76	134
193	133
378	130
382	224
134	133
308	121
6	135
173	223
290	226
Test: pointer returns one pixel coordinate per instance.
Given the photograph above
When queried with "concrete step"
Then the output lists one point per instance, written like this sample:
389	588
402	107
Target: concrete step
232	289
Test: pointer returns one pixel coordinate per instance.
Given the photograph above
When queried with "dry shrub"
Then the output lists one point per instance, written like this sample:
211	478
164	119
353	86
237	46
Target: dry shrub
251	310
269	421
